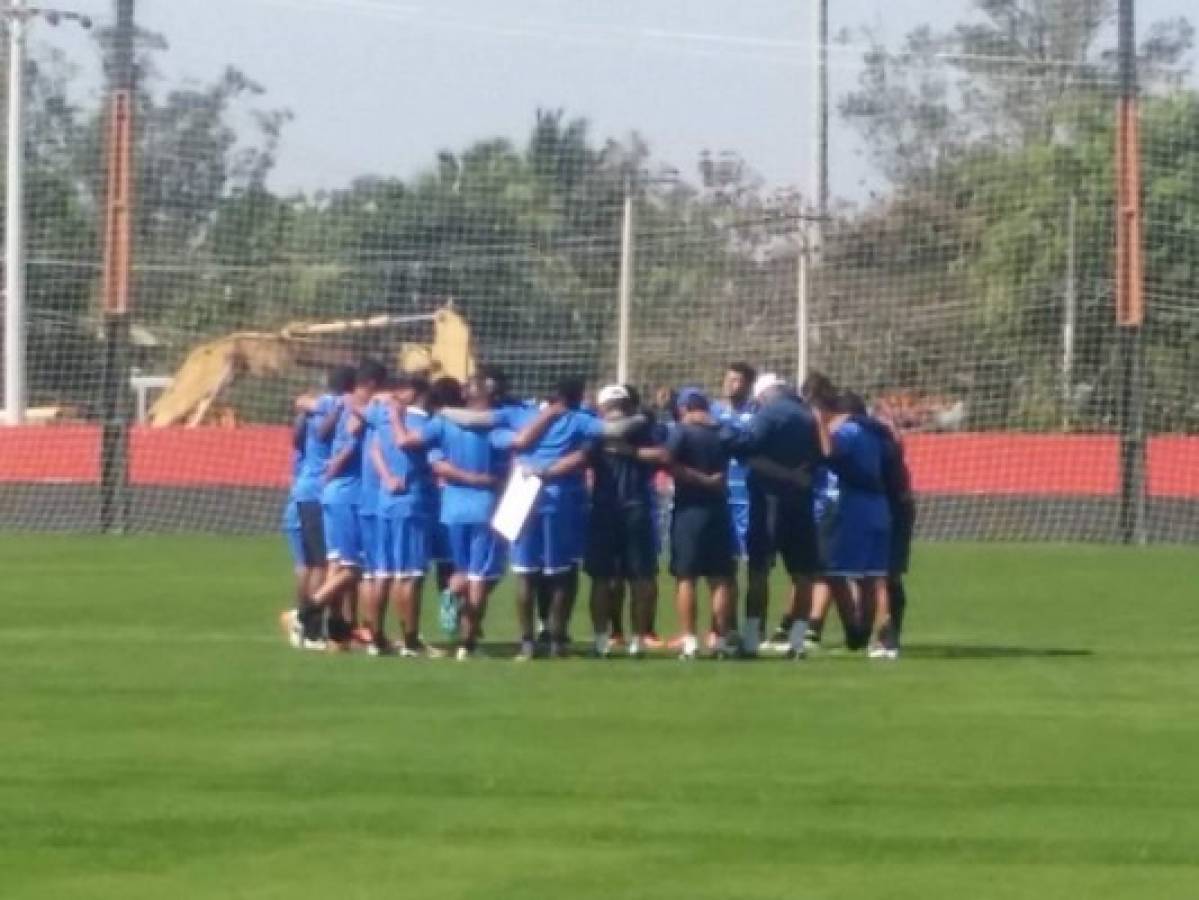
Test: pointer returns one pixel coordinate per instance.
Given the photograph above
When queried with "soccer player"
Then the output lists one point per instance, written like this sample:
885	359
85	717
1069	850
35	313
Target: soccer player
784	434
316	421
472	468
407	507
374	584
859	536
340	500
622	544
701	522
897	485
735	412
451	582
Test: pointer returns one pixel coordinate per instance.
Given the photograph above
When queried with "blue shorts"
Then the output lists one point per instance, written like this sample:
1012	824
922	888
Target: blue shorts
441	550
404	546
368	526
856	552
476	551
551	542
343	533
740	516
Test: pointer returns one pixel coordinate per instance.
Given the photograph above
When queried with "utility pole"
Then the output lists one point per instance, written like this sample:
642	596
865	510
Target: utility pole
624	336
118	247
1130	287
1070	313
15	396
811	240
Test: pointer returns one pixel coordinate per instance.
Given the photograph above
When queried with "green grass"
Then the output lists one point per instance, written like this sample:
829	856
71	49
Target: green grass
157	740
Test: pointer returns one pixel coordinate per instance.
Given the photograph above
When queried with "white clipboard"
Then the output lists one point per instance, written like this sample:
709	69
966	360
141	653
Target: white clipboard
514	507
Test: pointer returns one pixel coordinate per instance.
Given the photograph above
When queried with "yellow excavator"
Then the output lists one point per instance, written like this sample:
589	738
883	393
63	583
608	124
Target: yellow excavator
192	397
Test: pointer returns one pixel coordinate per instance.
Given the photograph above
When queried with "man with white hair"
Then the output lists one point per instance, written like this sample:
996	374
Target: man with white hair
621	543
784	433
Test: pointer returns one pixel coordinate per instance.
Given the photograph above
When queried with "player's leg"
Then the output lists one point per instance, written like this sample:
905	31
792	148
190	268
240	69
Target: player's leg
345	550
599	563
564	545
903	524
616	605
527	563
762	545
799	545
639	565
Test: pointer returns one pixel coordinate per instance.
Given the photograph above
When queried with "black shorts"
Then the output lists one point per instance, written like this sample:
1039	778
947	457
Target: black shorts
903	526
783	525
312	532
621	544
699	542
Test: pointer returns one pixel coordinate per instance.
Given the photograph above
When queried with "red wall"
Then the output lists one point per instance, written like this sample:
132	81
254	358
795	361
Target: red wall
1044	464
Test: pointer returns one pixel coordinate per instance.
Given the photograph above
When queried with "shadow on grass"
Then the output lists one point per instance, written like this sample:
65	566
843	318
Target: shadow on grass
500	650
984	651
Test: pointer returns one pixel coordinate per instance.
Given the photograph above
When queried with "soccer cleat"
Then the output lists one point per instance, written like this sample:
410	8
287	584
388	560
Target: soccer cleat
559	650
289	621
317	645
464	654
381	647
796	653
636	648
729	648
616	642
689	648
527	652
652	641
879	651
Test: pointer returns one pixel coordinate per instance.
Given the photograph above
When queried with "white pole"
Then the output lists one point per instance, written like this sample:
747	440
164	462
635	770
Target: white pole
1069	318
626	289
14	257
812	233
801	314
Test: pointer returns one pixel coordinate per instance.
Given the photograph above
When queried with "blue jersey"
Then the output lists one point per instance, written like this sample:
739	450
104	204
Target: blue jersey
315	456
418	495
346	485
735	418
860	452
471	451
572	431
368	505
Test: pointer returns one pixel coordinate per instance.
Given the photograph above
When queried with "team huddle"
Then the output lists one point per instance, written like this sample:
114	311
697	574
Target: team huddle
395	477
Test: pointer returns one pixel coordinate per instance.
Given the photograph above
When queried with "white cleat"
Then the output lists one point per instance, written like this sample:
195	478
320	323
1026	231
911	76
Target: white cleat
528	650
878	651
636	650
317	645
290	621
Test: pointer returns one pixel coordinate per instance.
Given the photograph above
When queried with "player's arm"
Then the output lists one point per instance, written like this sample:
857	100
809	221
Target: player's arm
299	431
653	455
567	465
405	438
324	431
391	483
475	419
451	473
536	429
717	482
800	476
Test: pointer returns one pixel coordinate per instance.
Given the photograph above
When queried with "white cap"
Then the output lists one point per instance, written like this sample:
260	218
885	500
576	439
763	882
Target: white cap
613	393
767	382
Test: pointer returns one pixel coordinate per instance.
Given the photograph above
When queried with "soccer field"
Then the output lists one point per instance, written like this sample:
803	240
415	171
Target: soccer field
158	740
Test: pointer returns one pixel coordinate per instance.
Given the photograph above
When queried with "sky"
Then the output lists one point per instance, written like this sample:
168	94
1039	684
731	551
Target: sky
379	86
